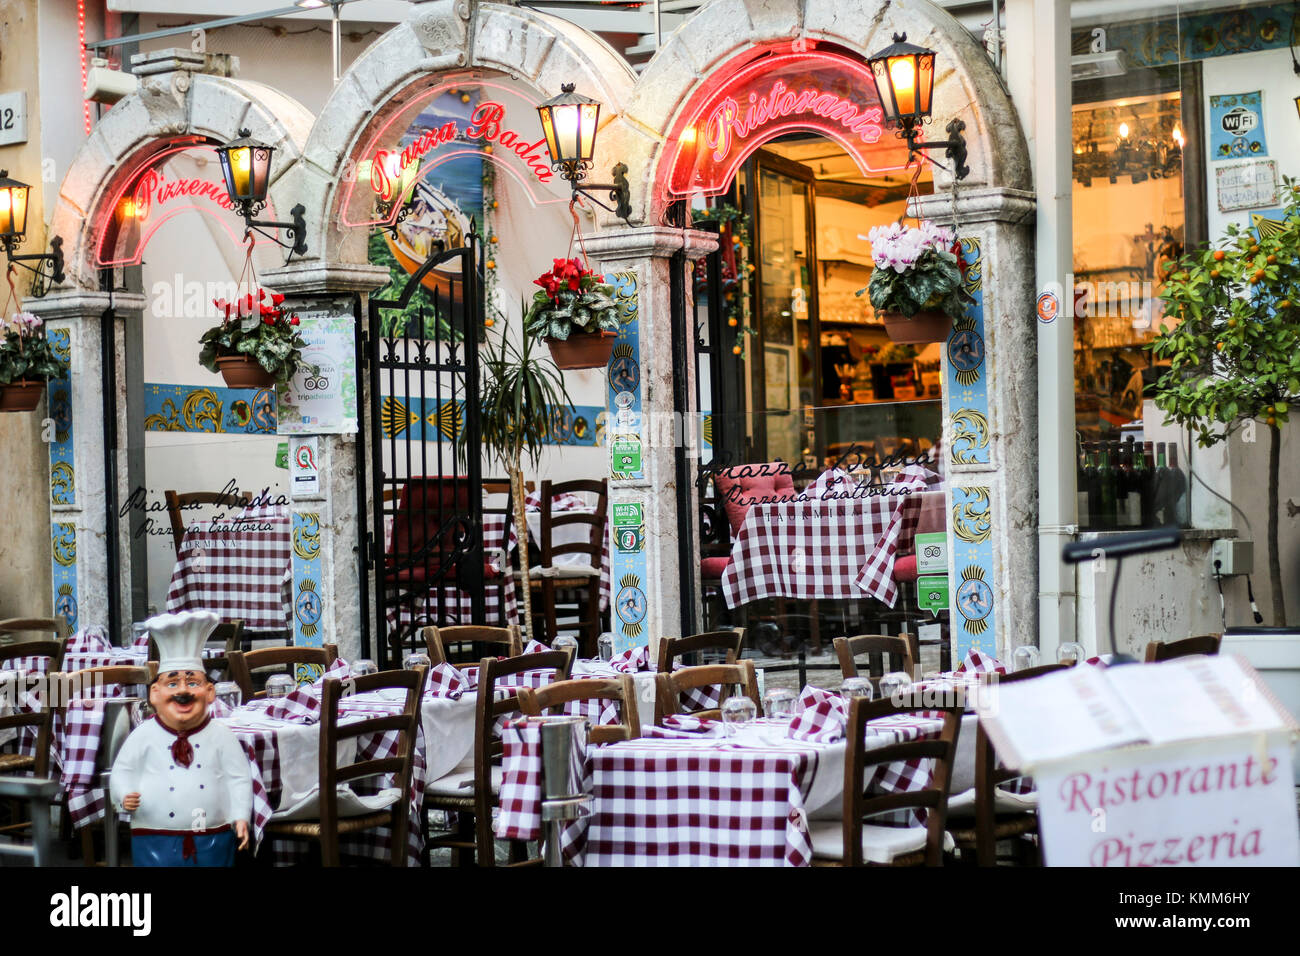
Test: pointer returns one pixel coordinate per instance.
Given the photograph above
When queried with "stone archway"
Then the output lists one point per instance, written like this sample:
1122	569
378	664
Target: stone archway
181	95
990	422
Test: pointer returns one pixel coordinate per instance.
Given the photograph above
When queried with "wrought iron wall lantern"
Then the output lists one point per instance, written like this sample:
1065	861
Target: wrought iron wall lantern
569	122
904	77
246	167
13	230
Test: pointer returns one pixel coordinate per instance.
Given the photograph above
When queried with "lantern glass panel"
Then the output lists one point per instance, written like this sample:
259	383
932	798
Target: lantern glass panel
548	129
588	116
925	83
902	79
261	172
13	210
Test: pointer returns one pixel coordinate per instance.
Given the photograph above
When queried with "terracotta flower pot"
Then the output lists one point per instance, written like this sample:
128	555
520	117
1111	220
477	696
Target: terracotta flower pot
242	371
21	396
583	350
928	325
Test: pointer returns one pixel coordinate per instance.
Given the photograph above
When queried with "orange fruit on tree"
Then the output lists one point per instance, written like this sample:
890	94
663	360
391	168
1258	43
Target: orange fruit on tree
1218	255
1214	273
735	349
1271	260
1270	421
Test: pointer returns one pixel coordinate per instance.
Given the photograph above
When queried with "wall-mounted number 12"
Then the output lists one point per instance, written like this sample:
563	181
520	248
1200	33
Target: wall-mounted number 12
7	118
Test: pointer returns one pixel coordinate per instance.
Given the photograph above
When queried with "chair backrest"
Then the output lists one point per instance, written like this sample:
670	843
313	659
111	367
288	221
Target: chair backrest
58	626
884	653
177	503
73	684
860	762
672	649
406	723
39	723
466	644
744	485
54	650
490	706
428	513
243	663
506	509
593	541
553	697
670	686
1201	644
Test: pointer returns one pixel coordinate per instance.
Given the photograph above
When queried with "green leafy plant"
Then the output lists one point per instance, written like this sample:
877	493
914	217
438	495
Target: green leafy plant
916	269
25	352
256	326
571	299
1231	337
895	354
520	389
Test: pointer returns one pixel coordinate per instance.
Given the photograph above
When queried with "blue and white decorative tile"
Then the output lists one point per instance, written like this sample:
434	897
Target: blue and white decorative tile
974	621
308	595
968	379
63	538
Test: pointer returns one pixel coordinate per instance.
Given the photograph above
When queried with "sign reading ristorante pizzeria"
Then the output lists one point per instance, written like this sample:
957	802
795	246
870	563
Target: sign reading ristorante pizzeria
736	111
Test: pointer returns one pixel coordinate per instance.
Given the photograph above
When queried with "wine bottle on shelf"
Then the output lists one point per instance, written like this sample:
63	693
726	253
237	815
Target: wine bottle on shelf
1161	487
1133	477
1177	489
1081	485
1140	484
1106	483
1148	485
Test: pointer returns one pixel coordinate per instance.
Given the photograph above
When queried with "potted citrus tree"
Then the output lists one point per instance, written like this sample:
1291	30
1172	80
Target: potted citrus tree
575	313
916	286
521	387
1231	337
27	362
256	344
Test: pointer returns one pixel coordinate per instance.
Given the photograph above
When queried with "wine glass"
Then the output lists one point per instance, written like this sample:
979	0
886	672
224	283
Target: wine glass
566	643
736	711
279	685
363	667
416	659
894	684
779	702
228	693
855	687
1025	657
1071	653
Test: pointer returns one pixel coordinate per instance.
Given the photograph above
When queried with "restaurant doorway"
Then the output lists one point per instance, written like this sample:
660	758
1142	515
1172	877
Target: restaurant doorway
425	543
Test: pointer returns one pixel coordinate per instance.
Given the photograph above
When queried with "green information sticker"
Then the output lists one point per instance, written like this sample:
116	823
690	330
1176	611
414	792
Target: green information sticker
625	455
282	455
932	553
932	593
629	515
629	527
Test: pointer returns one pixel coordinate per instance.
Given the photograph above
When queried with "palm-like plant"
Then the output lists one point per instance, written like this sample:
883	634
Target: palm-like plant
521	388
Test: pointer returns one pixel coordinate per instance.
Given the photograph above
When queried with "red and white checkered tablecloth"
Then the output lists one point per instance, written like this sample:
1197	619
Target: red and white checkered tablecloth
837	548
453	606
494	528
241	569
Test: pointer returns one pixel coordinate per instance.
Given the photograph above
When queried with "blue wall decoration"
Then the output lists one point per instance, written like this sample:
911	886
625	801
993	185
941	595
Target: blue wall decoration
308	599
194	408
971	539
63	537
63	477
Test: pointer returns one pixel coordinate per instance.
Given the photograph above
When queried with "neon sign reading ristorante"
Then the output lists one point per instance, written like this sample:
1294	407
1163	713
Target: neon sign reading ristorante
486	123
728	123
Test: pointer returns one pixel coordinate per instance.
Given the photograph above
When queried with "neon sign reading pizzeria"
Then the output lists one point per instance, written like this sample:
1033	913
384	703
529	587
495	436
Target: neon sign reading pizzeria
734	113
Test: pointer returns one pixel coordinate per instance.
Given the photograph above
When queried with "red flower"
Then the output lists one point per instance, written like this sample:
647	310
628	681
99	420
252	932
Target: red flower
276	298
268	320
294	320
961	260
574	283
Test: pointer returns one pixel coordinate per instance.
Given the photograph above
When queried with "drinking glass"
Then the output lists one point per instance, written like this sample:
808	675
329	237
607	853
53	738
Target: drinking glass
279	685
416	659
605	647
228	693
779	702
855	687
736	711
138	630
363	667
894	684
565	643
1071	653
1025	657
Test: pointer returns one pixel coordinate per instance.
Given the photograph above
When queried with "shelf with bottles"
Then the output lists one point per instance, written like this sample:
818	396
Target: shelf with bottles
1127	485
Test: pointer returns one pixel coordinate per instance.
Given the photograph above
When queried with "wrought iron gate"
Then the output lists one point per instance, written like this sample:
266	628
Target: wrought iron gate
425	543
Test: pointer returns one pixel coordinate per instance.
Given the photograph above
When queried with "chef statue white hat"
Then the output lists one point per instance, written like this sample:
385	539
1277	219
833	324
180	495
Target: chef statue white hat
180	638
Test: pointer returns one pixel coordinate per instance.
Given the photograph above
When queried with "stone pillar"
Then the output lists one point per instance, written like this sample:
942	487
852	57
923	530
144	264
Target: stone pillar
990	414
325	525
643	433
79	475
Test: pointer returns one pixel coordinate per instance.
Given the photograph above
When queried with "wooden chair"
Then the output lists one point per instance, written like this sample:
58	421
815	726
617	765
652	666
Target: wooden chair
37	763
577	585
851	842
998	815
329	826
58	626
471	794
243	663
884	653
672	649
669	687
54	650
554	696
176	503
1202	644
468	643
69	687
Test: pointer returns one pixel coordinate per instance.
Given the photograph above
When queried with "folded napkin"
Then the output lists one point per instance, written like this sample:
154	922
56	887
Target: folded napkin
700	725
446	681
630	662
301	706
977	663
822	718
535	647
91	640
340	669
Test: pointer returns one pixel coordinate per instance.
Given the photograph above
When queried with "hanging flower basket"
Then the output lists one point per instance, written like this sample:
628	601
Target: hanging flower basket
243	371
928	325
21	396
575	313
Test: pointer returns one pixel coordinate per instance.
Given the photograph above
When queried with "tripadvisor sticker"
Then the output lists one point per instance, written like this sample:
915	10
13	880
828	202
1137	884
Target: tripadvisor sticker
932	593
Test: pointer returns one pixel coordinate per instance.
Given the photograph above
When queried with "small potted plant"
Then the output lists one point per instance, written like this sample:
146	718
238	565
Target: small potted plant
256	344
27	361
916	287
575	313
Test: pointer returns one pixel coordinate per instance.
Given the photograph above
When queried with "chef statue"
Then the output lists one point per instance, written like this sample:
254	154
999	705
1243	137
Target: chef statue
183	778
